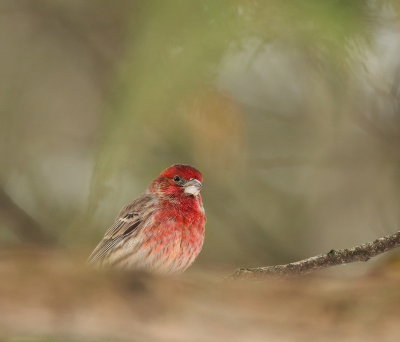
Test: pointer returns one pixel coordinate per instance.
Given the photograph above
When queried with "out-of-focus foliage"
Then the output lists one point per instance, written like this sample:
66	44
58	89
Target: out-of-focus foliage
289	108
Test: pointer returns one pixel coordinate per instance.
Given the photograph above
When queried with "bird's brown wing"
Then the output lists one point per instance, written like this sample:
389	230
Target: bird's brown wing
130	220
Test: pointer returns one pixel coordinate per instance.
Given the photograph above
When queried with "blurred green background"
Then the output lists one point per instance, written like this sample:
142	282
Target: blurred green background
289	108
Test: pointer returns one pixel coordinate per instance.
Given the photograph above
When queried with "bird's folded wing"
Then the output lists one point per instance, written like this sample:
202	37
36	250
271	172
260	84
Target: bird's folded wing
130	220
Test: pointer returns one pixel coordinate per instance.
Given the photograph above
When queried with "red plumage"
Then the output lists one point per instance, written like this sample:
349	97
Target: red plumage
162	231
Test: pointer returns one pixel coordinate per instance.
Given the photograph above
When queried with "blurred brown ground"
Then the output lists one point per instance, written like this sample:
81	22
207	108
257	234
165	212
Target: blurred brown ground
47	295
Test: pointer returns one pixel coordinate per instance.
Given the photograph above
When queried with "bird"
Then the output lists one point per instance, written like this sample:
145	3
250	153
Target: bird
162	231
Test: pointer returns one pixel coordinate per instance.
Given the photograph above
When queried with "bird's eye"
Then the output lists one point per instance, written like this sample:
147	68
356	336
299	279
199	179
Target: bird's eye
177	179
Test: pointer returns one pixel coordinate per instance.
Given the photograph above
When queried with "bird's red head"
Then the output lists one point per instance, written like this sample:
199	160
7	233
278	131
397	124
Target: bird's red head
178	180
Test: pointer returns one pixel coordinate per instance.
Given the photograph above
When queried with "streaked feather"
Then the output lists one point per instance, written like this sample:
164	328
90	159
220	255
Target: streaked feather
130	219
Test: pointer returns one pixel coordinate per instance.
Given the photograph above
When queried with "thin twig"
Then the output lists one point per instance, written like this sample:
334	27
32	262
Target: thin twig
335	257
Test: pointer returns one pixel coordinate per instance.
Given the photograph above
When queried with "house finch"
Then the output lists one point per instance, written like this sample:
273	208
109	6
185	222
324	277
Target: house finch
162	231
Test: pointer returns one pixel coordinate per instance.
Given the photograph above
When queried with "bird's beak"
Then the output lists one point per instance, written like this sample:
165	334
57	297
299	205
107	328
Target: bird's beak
193	187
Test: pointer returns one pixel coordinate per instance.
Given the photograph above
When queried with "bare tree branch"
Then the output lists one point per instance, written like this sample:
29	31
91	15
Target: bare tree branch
335	257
